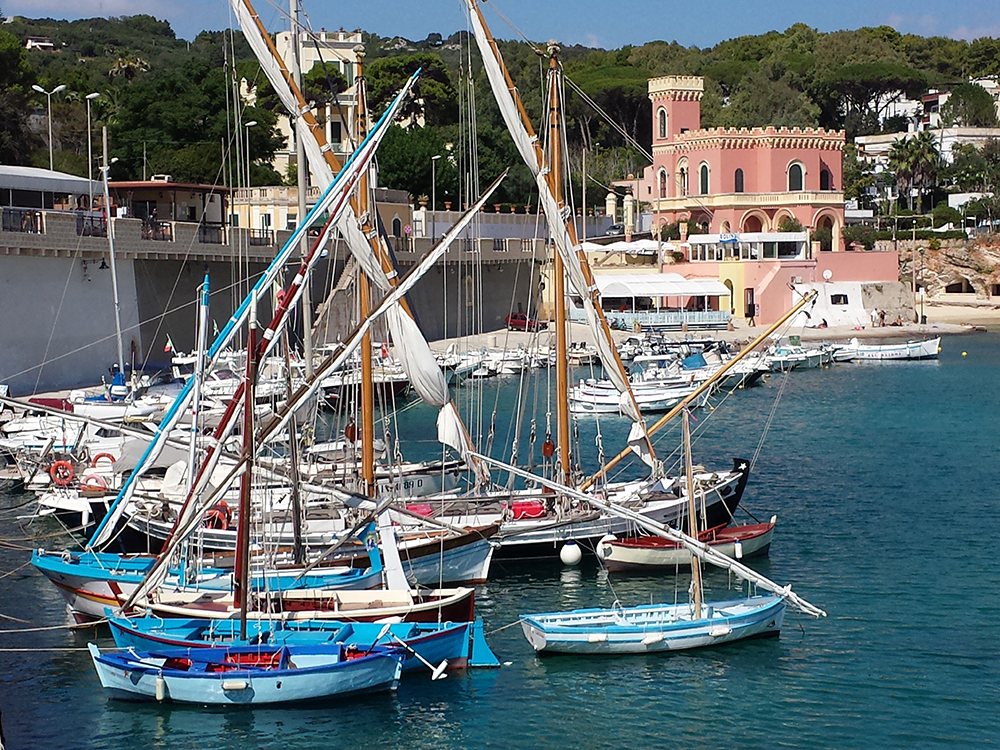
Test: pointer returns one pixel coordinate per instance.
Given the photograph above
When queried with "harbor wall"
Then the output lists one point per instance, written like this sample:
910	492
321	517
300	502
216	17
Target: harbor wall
59	321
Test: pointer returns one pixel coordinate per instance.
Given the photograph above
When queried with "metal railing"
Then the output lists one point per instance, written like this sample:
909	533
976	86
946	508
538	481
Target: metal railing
160	231
261	237
677	319
91	226
212	233
22	220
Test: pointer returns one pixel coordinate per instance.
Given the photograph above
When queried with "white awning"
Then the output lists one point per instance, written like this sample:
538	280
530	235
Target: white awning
659	285
45	181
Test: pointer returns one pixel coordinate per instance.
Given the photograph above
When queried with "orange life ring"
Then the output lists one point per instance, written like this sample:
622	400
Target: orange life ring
94	483
62	473
218	516
98	457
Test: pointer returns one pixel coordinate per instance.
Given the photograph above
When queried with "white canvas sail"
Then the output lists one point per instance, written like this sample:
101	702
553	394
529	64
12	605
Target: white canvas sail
577	272
411	347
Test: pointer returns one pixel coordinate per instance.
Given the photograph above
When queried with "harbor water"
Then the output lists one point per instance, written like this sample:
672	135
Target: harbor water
884	478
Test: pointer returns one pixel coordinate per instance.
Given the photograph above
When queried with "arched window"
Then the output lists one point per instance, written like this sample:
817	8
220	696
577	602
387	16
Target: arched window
397	227
738	181
662	180
825	180
703	179
682	176
794	178
661	123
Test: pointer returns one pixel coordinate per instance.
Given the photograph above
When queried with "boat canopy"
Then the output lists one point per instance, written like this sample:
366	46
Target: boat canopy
659	285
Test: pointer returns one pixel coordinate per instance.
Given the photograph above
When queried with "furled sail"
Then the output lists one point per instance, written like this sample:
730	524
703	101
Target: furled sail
410	345
333	199
560	225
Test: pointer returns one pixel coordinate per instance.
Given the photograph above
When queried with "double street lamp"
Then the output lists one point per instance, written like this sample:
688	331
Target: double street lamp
48	94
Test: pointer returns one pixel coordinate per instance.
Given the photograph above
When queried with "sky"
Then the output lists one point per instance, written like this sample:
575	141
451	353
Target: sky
594	23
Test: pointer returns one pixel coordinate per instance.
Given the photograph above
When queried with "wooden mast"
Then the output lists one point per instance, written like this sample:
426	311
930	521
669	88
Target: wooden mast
563	437
364	294
692	516
553	179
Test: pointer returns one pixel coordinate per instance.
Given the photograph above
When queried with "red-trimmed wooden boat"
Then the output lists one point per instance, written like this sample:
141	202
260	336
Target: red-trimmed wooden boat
654	552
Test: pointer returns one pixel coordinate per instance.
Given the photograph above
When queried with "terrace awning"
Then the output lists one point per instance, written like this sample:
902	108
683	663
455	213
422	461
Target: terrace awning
659	285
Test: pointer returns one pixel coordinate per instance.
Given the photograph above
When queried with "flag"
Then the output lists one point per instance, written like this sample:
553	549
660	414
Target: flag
170	345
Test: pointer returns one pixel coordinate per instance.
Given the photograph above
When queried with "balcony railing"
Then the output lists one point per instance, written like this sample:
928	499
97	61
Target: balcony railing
213	233
160	231
91	226
261	237
22	220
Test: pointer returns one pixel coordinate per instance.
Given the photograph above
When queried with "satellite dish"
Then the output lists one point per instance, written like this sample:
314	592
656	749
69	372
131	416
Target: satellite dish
827	274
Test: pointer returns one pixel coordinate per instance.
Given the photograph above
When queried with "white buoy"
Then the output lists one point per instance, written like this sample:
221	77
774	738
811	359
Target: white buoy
602	549
570	553
739	550
161	688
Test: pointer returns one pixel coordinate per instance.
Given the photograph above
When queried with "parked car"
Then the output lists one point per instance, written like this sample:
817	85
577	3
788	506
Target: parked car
522	322
615	229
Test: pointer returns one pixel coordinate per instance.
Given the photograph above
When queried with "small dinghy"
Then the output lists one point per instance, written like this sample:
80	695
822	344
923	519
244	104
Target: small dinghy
247	675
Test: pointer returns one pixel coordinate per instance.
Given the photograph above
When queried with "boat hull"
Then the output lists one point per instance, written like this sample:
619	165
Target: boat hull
146	676
654	628
927	349
435	643
653	553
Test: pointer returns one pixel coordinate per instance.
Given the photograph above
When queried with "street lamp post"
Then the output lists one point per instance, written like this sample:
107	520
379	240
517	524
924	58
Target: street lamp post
434	160
90	155
48	95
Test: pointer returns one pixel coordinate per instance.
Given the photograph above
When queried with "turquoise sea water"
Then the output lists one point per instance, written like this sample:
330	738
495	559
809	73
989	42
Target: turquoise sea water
885	482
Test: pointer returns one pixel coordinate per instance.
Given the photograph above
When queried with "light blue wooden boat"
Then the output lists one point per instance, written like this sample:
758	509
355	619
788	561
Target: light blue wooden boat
655	627
449	642
246	675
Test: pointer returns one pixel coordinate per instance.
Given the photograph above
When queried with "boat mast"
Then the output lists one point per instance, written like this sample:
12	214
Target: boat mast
242	577
111	253
692	516
302	170
199	376
364	293
558	272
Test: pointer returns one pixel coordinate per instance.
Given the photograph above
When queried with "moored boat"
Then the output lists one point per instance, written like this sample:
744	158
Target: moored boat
654	552
655	627
246	675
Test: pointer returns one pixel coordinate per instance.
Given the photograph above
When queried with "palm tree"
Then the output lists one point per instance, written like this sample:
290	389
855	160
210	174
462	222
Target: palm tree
915	162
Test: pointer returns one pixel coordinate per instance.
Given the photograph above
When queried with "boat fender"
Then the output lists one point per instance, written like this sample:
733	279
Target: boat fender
570	553
218	516
98	457
603	551
161	688
62	473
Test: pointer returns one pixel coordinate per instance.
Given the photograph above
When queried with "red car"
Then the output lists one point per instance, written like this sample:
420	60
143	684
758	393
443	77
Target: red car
522	322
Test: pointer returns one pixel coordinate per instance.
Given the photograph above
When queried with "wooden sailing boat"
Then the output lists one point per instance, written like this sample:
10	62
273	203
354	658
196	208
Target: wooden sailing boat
659	627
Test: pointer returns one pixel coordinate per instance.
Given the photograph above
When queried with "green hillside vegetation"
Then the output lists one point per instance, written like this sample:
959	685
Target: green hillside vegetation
168	104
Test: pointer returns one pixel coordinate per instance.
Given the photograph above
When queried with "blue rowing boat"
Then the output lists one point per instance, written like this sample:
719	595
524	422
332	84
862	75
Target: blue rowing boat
654	627
460	644
246	675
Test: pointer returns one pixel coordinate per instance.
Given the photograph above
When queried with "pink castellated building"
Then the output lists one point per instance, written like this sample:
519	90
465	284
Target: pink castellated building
732	189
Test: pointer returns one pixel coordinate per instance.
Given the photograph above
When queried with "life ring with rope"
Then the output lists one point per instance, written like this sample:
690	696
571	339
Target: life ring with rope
62	473
98	457
218	516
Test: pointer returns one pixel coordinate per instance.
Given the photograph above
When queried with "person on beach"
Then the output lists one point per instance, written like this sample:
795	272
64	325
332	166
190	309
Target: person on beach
874	317
881	318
